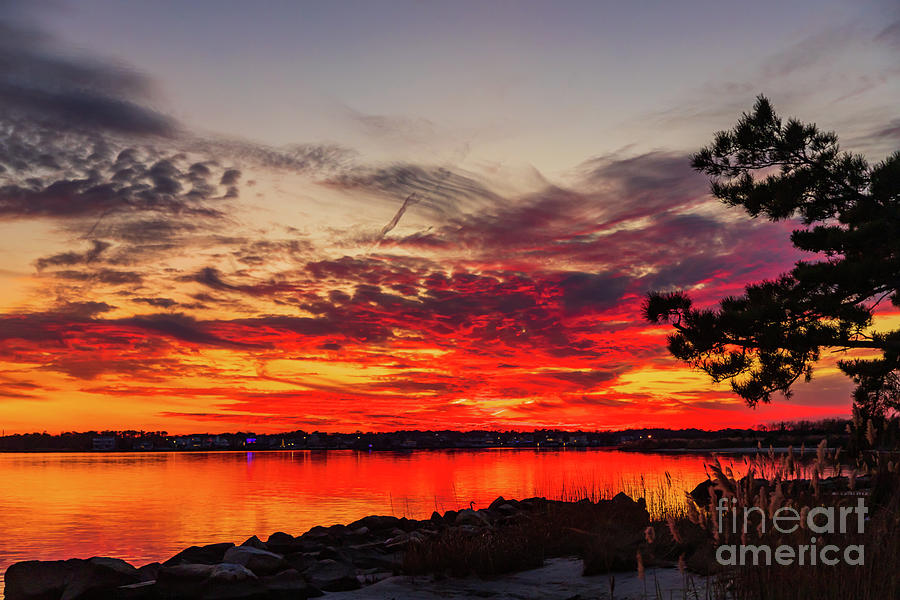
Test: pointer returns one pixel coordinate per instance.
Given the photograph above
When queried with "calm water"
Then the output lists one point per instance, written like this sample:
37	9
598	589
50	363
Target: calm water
146	507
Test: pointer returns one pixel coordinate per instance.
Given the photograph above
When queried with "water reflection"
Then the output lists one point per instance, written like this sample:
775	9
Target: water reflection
145	507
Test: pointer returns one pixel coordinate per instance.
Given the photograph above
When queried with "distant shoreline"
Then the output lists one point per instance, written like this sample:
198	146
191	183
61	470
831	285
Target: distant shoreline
716	450
366	451
780	436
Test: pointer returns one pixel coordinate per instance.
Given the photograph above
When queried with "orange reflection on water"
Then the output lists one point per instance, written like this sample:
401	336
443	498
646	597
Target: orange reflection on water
146	507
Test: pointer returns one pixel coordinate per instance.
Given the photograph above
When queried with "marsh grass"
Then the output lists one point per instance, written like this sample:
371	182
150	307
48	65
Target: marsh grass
664	497
770	482
458	553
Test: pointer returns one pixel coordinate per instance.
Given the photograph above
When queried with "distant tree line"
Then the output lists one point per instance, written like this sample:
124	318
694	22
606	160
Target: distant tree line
782	433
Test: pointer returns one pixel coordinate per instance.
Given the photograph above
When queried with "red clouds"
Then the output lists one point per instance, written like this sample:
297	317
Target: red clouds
505	312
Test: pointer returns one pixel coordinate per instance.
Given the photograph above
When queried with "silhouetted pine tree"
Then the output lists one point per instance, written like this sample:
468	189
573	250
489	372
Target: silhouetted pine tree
767	338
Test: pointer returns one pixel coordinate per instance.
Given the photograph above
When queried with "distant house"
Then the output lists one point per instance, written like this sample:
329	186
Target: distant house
104	442
143	444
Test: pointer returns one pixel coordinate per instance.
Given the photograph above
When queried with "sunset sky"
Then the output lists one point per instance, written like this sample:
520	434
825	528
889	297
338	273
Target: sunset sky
341	216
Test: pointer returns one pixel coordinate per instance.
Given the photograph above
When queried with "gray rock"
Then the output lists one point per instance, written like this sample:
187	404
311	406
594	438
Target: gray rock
332	576
330	552
260	562
376	522
210	554
232	582
318	532
149	571
186	571
280	542
255	542
145	590
397	543
225	581
408	524
230	573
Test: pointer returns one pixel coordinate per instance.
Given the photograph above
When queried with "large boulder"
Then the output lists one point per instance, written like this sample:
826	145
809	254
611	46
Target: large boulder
149	571
231	572
232	582
626	512
280	542
408	524
506	509
467	516
616	535
225	581
182	581
210	554
97	578
317	533
332	576
497	503
289	585
261	562
75	579
338	554
38	579
300	561
703	492
376	522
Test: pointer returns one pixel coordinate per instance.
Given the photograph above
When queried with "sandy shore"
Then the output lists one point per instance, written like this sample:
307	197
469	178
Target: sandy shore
558	579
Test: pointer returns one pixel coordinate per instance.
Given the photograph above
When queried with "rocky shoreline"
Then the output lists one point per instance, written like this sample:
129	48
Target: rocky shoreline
320	561
509	536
